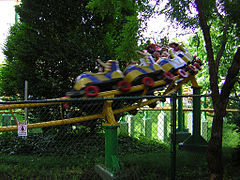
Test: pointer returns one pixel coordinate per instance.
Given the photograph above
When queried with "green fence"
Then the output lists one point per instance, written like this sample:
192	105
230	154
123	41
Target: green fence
150	143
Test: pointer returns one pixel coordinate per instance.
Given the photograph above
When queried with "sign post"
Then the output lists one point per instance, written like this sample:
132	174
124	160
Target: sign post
22	129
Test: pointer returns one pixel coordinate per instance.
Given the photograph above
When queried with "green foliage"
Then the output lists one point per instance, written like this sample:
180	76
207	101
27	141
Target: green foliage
45	167
56	41
230	7
50	155
197	47
230	136
128	39
223	22
177	9
124	39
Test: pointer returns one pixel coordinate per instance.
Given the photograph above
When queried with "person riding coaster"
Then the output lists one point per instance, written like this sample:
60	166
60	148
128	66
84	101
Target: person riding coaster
162	58
180	63
181	51
147	71
90	84
168	57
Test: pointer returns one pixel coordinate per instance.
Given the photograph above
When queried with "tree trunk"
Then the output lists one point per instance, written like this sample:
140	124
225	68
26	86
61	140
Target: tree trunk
214	151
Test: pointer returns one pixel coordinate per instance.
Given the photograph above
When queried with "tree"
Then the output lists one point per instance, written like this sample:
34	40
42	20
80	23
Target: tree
196	44
207	15
134	14
55	41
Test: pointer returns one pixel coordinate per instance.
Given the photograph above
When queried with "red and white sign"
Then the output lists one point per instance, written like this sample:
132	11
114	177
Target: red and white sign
22	129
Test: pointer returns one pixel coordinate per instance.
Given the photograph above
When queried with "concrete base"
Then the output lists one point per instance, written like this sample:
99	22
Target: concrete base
182	136
193	147
194	143
104	173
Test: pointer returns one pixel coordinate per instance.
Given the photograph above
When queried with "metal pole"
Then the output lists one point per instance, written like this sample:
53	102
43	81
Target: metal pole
173	136
196	112
196	142
25	98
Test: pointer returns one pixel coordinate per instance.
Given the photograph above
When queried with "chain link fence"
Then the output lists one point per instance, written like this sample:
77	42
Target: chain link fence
67	138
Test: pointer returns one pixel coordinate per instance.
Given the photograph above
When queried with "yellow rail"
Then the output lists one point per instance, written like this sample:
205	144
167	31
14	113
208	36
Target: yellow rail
77	119
187	109
107	110
27	105
53	123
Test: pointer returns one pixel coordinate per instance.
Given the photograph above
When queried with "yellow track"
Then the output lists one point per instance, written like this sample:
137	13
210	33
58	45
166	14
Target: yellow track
107	109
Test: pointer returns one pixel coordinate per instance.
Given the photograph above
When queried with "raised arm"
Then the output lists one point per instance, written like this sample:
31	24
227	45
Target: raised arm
101	63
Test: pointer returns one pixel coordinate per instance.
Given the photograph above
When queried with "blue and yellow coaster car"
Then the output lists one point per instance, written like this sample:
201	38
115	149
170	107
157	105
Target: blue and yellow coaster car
179	63
90	84
147	74
192	62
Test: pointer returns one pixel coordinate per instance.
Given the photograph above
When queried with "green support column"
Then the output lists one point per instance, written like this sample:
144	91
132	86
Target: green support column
196	141
111	148
182	132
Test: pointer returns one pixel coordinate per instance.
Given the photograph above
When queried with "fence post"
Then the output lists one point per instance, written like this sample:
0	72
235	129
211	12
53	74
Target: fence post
189	121
173	136
146	125
131	124
196	141
180	112
204	122
162	126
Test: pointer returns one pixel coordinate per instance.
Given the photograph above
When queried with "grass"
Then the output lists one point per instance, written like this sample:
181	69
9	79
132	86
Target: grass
74	157
158	165
57	161
45	167
190	165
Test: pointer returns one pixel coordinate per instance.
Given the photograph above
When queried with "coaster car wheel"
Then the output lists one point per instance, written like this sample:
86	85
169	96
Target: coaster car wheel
148	82
91	91
182	73
66	105
169	76
124	86
197	65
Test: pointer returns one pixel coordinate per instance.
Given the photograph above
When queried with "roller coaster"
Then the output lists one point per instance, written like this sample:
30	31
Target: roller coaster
164	75
168	70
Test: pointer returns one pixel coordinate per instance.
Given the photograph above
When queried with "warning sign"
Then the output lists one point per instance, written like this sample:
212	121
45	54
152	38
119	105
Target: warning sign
22	129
